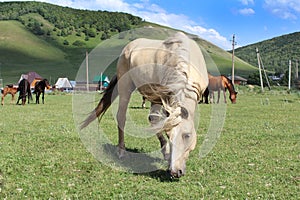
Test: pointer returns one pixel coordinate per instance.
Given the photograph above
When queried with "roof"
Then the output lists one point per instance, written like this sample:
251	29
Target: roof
238	78
98	78
31	76
63	83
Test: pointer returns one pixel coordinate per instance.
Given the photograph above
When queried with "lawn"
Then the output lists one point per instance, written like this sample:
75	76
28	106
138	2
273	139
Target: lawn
257	155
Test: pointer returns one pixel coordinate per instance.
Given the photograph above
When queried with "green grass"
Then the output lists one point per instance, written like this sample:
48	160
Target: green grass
22	52
257	155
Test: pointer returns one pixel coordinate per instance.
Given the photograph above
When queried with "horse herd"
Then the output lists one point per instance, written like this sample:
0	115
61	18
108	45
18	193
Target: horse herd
25	91
172	75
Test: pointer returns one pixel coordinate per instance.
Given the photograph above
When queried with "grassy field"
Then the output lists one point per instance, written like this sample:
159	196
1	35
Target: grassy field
256	157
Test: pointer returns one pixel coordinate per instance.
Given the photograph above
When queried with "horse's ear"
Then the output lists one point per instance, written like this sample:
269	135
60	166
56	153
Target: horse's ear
184	113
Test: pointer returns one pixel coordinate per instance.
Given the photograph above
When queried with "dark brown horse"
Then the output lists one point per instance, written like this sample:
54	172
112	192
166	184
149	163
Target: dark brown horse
24	91
9	89
218	83
39	89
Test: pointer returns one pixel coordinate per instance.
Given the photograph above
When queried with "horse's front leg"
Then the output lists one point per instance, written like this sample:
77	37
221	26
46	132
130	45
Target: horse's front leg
165	147
144	102
43	97
12	98
155	118
37	98
18	100
224	92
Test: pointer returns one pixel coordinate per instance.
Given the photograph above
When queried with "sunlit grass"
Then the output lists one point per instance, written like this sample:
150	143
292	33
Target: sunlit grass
257	155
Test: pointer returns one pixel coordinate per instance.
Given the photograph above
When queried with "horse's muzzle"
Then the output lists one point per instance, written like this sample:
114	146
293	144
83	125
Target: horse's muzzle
176	174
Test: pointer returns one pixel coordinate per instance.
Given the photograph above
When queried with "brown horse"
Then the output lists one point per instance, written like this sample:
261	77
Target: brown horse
172	75
9	89
218	83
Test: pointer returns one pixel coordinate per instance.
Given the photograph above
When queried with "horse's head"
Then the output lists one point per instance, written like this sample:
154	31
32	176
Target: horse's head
47	84
182	139
230	86
232	96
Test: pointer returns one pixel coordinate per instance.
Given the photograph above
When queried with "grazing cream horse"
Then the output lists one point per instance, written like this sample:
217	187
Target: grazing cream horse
172	75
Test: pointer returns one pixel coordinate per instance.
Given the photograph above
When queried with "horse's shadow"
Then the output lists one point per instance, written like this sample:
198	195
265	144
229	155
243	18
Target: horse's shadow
137	162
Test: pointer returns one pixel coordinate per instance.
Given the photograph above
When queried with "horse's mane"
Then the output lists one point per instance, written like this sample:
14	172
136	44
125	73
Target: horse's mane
230	84
177	84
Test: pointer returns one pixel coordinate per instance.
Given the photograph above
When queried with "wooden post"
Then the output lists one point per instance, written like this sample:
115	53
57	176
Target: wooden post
290	73
87	70
259	67
232	71
296	70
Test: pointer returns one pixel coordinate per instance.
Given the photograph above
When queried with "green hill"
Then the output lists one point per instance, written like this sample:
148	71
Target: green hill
275	52
52	40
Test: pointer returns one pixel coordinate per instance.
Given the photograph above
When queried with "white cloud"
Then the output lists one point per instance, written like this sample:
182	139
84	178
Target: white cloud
285	9
152	13
247	11
247	2
210	35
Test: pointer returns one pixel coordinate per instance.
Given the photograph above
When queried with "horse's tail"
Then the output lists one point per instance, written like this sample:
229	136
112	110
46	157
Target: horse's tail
109	95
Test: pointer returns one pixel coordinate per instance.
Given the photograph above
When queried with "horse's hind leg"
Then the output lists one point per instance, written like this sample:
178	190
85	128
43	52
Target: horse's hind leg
211	96
125	88
218	96
2	100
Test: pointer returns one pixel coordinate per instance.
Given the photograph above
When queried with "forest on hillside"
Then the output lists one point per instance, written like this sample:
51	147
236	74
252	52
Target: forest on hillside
275	53
67	21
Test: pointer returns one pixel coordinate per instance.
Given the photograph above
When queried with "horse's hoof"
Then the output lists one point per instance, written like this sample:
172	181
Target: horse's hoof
121	153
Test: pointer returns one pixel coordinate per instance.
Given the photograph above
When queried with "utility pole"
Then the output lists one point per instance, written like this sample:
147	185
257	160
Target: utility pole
232	71
259	67
290	73
87	70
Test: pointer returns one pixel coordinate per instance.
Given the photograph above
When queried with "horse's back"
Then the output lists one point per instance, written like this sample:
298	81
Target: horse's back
153	57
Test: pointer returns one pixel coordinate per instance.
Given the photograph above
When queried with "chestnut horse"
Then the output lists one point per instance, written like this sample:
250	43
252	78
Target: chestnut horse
218	83
9	89
172	75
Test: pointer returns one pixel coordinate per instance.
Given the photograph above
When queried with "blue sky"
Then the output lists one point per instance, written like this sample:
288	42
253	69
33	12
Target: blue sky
213	20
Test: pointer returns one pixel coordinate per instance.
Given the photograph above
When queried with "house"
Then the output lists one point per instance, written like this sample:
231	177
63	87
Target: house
63	84
101	80
238	80
32	78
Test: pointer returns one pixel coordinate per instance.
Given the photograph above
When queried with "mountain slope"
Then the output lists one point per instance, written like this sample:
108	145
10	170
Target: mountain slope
275	52
45	38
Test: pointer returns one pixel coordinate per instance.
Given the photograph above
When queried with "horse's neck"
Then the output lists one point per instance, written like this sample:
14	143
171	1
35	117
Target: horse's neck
230	87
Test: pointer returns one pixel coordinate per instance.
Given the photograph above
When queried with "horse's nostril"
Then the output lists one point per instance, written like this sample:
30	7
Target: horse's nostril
153	118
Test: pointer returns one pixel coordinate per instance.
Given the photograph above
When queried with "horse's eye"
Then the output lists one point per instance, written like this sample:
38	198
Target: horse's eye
184	113
186	136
